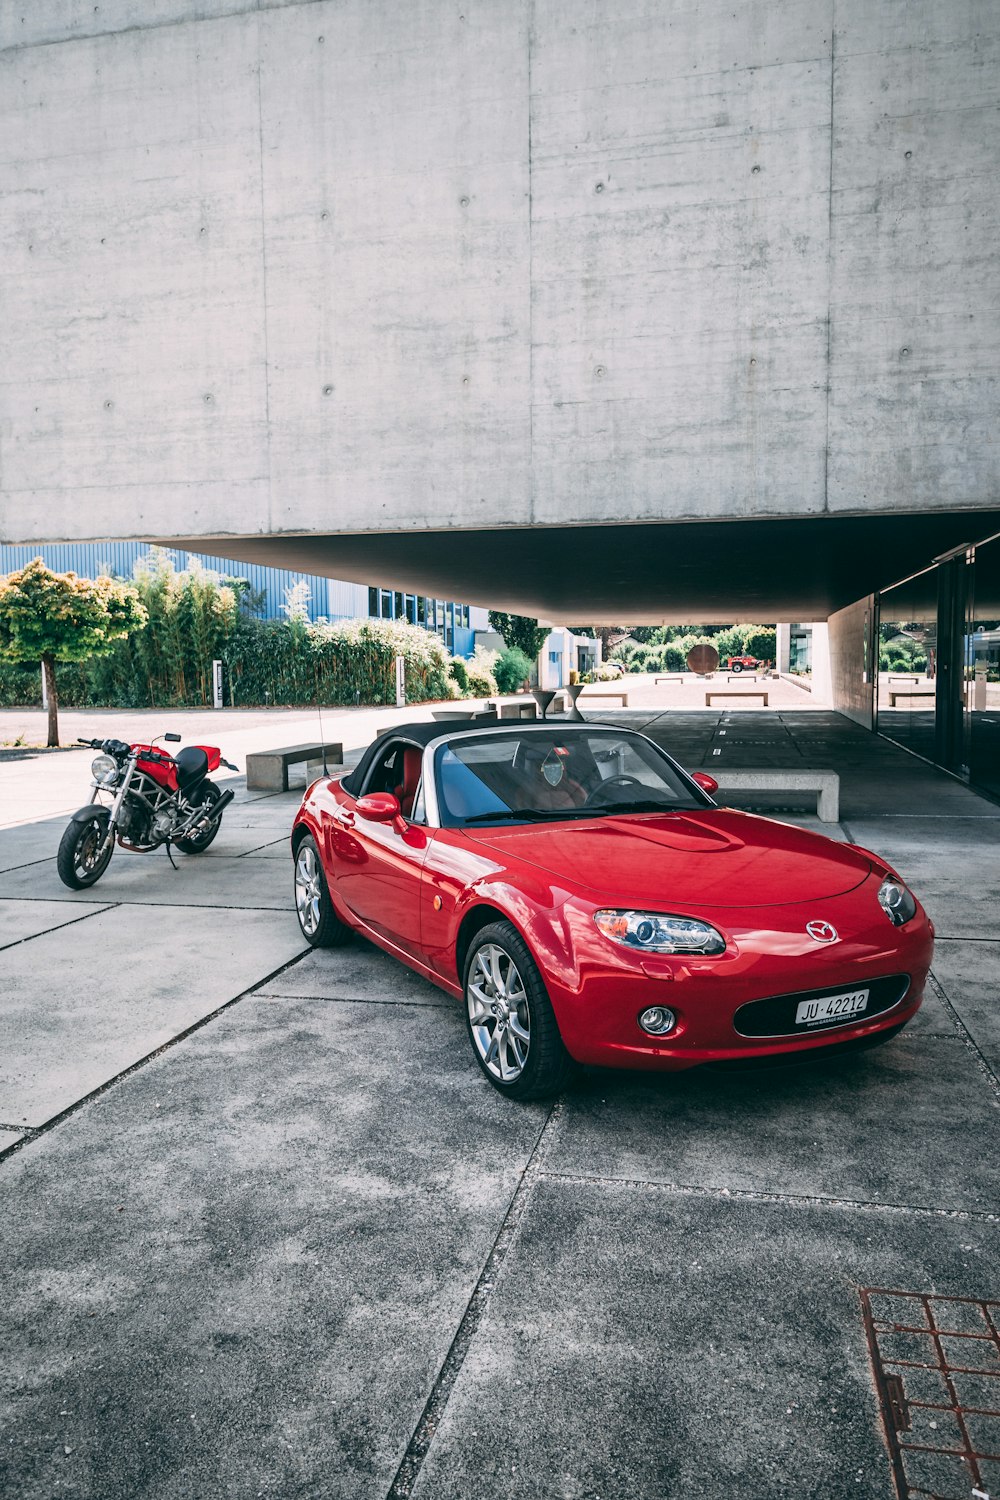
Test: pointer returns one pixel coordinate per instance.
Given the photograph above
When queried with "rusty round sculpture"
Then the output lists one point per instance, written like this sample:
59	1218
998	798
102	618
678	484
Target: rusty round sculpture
702	659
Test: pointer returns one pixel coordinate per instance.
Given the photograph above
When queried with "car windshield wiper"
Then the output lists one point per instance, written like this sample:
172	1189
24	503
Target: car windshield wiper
532	814
646	805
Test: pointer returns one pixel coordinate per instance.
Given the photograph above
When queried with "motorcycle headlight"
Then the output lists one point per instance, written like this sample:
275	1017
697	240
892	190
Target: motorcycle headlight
104	769
651	932
896	901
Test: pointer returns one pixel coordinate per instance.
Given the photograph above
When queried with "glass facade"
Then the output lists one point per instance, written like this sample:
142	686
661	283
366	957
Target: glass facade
449	620
938	683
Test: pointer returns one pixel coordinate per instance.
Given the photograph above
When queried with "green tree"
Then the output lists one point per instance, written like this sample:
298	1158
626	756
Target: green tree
762	643
520	631
48	617
511	669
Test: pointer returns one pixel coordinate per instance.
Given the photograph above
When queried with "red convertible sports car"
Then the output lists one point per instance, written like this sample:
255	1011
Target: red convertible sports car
587	900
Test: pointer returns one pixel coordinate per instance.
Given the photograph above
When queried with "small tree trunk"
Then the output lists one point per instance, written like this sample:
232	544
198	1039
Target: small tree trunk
49	668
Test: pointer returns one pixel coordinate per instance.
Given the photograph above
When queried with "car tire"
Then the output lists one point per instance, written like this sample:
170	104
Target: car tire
76	862
736	666
318	922
518	1047
207	794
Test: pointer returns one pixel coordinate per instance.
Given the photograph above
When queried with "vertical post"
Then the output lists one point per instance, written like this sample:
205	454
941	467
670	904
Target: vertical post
400	681
216	684
45	691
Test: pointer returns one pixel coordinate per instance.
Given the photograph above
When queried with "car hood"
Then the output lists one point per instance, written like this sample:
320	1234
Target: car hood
711	858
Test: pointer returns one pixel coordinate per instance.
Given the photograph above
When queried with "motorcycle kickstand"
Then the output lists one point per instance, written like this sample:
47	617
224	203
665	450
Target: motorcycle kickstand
169	855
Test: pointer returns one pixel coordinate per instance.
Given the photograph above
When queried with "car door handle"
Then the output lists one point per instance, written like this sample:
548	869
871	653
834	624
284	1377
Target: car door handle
347	818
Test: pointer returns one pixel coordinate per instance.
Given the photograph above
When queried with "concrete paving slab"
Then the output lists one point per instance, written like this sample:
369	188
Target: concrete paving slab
149	879
278	848
969	974
911	1122
358	972
81	1003
27	843
8	1137
23	920
648	1345
238	1272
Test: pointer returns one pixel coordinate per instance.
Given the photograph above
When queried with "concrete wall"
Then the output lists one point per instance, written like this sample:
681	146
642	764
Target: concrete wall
851	646
400	264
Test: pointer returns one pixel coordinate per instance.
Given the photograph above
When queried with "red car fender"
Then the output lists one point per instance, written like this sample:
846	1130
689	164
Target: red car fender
537	911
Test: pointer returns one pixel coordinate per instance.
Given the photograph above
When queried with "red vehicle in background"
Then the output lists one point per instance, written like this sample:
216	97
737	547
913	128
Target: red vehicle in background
743	664
158	798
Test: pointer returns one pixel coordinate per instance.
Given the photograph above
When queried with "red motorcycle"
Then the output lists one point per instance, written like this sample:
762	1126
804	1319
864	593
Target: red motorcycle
157	798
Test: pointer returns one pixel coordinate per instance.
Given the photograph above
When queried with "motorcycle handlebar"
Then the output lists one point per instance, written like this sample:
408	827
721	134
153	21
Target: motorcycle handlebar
111	747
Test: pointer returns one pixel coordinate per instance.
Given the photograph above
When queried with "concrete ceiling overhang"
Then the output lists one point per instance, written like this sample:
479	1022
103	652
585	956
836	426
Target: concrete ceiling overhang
671	572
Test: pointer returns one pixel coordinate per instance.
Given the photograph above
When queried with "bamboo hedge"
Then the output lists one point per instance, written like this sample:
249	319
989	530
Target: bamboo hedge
195	617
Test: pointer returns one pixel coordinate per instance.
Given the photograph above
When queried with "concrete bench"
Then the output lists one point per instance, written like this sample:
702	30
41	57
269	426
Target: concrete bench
487	715
733	693
524	708
673	677
901	677
741	676
826	785
910	693
267	770
610	693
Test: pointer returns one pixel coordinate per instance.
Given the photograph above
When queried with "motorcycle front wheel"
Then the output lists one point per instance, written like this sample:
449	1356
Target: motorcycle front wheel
80	862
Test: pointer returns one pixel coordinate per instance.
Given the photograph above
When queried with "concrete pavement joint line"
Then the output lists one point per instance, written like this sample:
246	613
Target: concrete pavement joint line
964	1035
169	905
37	1130
27	864
59	926
358	1000
755	1195
19	1129
423	1434
282	840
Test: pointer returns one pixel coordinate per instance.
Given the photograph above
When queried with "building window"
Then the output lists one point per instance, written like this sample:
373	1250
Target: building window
421	610
373	602
386	605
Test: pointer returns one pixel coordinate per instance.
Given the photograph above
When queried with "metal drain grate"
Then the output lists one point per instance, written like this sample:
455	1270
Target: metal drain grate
937	1373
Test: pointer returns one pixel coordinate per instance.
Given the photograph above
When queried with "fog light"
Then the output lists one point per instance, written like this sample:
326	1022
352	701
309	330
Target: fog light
657	1020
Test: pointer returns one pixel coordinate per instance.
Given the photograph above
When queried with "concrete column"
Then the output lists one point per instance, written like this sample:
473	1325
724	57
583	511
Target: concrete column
822	681
784	648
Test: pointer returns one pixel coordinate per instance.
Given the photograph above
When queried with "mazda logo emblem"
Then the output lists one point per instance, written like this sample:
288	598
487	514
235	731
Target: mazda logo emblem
822	932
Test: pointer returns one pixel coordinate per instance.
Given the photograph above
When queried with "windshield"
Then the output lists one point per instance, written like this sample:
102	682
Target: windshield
548	775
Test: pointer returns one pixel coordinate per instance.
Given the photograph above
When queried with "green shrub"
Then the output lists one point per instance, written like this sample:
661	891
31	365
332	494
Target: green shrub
459	672
511	669
482	683
352	661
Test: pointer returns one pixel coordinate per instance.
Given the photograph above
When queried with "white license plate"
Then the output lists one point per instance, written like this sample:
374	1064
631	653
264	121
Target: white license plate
831	1008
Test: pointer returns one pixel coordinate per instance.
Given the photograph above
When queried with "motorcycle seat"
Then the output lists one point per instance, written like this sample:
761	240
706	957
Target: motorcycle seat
192	766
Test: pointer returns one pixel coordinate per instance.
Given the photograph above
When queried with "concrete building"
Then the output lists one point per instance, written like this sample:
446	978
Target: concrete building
638	311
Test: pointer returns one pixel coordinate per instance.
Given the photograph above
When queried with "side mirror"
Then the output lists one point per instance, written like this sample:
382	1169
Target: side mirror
707	783
175	739
382	807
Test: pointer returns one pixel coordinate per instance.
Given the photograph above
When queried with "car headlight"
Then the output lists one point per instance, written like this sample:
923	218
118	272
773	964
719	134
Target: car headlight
650	932
896	901
104	769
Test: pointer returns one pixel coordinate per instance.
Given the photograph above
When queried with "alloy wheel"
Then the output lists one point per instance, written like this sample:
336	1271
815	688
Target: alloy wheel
308	890
88	849
499	1016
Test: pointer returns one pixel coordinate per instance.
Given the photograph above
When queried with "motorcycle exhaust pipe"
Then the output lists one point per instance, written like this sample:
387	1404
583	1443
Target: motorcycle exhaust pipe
205	820
218	808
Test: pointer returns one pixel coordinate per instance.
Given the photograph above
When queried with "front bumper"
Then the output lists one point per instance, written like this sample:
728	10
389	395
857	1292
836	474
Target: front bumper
768	955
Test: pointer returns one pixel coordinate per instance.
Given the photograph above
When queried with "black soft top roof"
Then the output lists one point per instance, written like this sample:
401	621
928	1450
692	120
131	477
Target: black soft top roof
414	734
